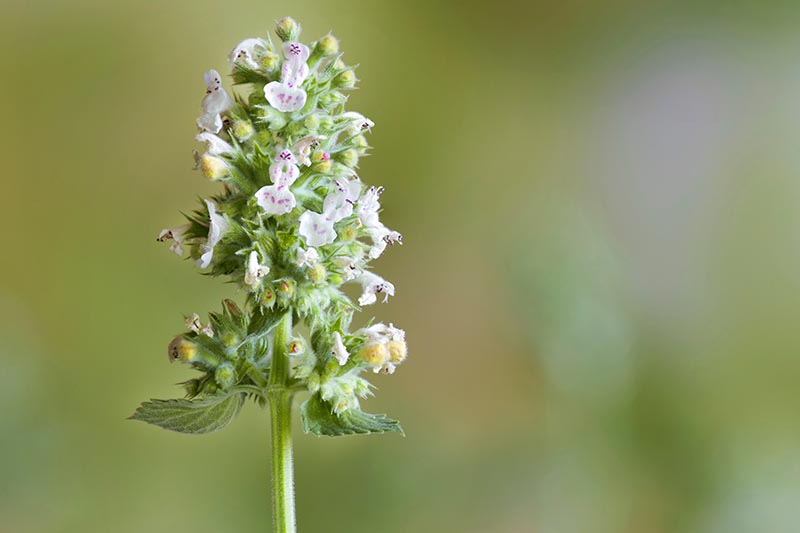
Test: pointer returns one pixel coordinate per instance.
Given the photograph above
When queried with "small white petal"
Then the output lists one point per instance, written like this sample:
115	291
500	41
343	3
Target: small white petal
372	285
216	100
295	52
176	235
302	148
339	350
214	145
284	170
193	323
246	53
307	257
210	122
359	121
254	271
217	226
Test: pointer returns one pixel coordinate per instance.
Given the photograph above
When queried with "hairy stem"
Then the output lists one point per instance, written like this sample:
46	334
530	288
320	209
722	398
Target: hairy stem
280	406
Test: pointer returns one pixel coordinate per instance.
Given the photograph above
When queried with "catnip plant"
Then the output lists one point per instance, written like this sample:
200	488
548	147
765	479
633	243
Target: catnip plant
292	225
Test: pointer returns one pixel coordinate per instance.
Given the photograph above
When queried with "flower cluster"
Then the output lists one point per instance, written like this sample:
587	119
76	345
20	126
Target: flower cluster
292	225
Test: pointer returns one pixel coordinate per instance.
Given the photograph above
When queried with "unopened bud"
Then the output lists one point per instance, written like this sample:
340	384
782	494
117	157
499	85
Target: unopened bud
345	80
286	288
398	350
348	233
269	61
317	273
268	297
242	129
375	354
313	382
230	339
288	29
349	158
213	167
328	45
311	122
225	376
182	350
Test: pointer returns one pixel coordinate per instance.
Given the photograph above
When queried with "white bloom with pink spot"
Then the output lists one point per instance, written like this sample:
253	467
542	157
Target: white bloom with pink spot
286	95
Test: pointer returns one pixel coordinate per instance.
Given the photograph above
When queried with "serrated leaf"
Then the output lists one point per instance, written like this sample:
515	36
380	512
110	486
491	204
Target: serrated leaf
204	415
319	419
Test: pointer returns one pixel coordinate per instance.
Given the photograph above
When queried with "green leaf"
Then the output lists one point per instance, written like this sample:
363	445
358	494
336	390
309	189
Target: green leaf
319	419
204	415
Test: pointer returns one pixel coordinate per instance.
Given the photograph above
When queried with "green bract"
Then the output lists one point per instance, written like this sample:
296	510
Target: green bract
290	226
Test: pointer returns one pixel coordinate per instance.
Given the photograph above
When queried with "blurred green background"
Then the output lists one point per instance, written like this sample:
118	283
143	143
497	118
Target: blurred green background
599	280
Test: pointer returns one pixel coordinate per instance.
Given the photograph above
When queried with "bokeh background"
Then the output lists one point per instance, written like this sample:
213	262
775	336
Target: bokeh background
599	203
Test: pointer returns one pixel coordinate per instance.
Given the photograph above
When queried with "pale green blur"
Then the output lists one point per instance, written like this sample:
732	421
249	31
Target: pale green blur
600	275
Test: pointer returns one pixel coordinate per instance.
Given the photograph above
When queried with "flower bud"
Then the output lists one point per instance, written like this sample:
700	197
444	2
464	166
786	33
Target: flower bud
348	157
331	99
182	350
345	80
375	354
360	142
342	405
328	45
317	273
213	167
311	122
313	382
335	279
397	351
286	288
242	129
323	166
269	61
268	297
295	347
230	339
225	376
288	29
348	233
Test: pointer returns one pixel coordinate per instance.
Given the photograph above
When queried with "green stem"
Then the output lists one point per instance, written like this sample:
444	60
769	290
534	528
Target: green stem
280	406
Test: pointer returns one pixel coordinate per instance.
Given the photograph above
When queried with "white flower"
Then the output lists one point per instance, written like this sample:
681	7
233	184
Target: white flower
302	148
307	257
316	228
277	199
339	203
358	121
176	235
214	145
246	53
381	236
254	271
217	226
367	210
284	170
215	102
372	284
339	350
349	266
286	95
193	324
